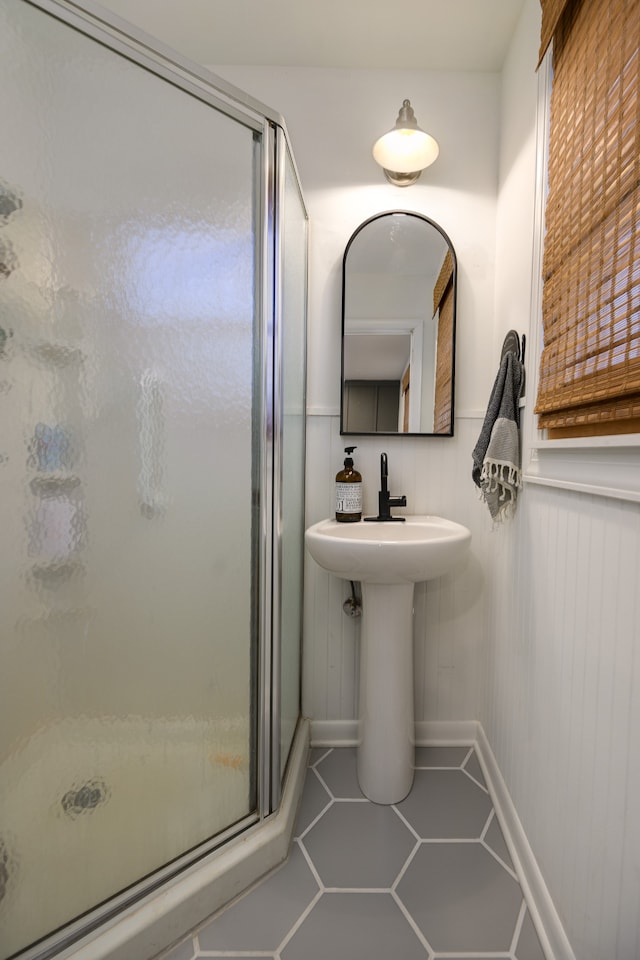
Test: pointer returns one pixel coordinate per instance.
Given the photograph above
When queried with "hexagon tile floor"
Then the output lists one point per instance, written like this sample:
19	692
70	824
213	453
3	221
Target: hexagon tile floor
424	879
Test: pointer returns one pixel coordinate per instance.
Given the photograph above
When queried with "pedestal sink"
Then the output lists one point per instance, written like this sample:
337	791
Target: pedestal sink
388	559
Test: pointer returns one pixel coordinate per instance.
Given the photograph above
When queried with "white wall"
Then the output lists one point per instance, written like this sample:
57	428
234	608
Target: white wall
562	640
333	117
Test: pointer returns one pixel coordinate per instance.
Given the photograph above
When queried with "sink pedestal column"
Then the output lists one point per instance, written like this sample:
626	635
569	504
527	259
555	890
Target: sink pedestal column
386	730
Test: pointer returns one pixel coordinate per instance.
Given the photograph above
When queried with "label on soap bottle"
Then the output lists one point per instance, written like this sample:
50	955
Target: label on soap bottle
348	497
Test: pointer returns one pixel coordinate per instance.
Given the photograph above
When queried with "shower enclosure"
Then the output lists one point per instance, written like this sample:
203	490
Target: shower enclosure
152	356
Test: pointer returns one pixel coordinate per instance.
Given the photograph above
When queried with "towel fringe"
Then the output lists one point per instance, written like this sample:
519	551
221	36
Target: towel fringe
497	474
504	479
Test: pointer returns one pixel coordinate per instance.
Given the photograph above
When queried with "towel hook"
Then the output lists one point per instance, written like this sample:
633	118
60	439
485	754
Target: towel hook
514	344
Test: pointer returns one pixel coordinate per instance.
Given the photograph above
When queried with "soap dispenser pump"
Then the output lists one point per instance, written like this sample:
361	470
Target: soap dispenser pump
348	491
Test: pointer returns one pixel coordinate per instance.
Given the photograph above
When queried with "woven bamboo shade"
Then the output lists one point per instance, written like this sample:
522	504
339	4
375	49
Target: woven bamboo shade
443	300
552	10
590	365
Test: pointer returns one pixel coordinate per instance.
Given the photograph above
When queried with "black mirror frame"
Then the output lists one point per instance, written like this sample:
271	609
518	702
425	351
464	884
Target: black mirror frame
428	220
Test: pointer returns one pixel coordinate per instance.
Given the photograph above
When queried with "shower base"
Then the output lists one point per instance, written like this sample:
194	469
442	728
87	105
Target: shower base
85	803
164	916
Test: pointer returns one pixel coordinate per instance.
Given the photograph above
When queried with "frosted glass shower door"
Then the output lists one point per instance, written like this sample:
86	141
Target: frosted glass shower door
128	462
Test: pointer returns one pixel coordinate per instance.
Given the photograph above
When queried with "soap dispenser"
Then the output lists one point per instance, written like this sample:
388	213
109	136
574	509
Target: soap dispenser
348	491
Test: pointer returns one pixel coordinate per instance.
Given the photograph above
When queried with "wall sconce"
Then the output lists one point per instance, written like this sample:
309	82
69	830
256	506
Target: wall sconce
405	151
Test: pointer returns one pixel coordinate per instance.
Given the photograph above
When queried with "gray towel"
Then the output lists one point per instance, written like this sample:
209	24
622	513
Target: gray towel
496	457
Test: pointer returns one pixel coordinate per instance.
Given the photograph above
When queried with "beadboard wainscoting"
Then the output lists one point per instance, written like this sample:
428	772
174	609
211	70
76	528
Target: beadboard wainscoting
561	704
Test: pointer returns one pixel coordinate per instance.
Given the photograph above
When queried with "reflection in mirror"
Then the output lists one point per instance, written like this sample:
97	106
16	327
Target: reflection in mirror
398	327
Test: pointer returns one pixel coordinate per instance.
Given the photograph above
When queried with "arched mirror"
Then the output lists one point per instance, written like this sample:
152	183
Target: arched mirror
399	282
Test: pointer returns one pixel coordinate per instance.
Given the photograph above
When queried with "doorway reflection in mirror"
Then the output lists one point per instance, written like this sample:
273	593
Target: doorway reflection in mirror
398	327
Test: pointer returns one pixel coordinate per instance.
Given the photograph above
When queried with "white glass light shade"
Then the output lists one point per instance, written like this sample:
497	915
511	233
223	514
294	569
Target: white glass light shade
406	150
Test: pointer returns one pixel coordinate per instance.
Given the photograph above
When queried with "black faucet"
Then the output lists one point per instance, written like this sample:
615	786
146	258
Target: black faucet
385	500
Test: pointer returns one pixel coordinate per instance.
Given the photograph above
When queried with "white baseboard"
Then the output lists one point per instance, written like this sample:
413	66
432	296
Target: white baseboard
344	733
543	912
445	733
334	733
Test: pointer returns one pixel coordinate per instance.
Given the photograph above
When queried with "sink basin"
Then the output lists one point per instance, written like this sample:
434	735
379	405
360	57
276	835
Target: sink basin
421	548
